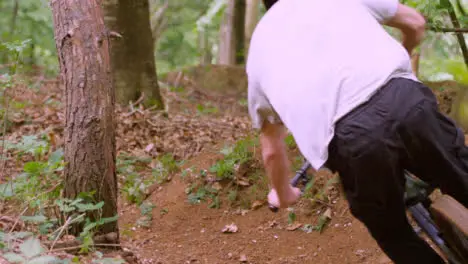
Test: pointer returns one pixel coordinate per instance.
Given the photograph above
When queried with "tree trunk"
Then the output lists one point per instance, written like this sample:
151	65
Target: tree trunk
83	50
231	46
251	19
226	51
133	62
239	28
14	18
204	47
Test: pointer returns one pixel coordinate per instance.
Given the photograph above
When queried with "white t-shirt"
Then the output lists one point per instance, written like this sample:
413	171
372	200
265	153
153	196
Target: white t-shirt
312	61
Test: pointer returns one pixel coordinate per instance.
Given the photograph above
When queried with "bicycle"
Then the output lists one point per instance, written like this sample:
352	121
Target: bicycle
444	220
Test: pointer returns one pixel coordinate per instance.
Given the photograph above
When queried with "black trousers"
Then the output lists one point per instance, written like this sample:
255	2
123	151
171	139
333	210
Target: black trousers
399	128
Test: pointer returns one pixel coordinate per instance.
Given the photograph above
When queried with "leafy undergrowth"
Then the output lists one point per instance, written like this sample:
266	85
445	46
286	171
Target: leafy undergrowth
36	220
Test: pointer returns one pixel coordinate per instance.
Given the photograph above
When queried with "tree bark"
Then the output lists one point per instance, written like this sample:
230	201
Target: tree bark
251	19
83	51
231	41
226	54
14	18
133	62
204	47
239	28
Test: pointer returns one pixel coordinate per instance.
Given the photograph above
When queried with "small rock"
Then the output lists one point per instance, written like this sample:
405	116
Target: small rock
243	258
257	204
275	236
229	255
360	252
272	223
328	213
149	147
203	230
111	237
217	186
232	228
242	182
241	212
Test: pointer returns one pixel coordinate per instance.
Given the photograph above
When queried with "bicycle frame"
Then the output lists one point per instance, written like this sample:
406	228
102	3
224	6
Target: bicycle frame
417	202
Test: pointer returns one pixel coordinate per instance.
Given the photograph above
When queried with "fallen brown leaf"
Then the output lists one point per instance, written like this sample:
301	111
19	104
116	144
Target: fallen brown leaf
293	227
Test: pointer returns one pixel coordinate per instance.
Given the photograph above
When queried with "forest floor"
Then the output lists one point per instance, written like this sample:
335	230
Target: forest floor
187	175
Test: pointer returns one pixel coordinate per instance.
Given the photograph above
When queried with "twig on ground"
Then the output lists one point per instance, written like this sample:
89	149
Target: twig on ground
138	101
110	238
17	219
61	231
79	247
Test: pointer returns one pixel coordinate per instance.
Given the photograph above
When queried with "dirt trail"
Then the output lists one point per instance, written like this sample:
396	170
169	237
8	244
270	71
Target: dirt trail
192	234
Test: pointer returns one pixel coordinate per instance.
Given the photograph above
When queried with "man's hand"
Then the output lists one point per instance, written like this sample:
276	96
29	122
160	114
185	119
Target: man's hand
288	198
412	25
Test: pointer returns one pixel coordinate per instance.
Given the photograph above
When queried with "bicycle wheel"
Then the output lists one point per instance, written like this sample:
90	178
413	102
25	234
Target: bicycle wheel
452	219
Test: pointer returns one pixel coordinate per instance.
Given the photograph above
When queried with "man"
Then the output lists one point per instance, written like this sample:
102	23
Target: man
329	73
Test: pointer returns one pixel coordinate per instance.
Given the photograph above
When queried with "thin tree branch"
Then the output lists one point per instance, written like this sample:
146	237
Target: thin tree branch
460	37
448	30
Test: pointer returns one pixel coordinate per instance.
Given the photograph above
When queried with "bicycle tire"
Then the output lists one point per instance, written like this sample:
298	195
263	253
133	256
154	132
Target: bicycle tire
451	217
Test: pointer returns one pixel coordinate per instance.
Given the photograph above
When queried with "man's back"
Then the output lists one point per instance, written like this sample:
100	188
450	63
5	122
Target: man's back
311	62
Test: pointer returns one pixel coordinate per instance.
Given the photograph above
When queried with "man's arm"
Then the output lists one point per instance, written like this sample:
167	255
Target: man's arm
412	25
393	14
277	165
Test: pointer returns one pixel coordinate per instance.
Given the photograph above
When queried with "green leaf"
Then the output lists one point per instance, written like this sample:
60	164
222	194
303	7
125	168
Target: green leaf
34	218
445	4
291	217
7	190
108	261
34	167
76	201
89	207
43	260
21	235
14	258
56	157
88	227
31	247
106	220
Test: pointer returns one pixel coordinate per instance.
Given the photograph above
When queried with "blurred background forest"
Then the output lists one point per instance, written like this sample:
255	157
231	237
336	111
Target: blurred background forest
187	32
